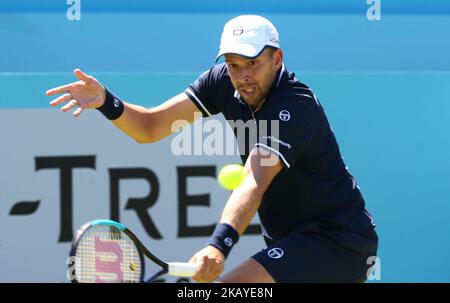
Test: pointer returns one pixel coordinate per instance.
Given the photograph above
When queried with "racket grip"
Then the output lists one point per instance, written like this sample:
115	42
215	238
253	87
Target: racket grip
181	269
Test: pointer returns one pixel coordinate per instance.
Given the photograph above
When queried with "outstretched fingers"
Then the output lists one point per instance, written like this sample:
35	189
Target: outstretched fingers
59	90
78	112
82	76
61	99
69	106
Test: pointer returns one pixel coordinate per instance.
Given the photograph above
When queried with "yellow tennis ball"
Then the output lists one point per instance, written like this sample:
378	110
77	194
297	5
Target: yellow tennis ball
231	176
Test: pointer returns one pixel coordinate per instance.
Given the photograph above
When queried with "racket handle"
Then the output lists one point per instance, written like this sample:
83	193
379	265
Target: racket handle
182	269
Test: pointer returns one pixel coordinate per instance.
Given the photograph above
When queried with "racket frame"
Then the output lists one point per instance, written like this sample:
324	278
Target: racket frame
142	250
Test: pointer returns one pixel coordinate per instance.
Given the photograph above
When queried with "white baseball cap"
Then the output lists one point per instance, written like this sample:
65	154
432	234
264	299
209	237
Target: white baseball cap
247	35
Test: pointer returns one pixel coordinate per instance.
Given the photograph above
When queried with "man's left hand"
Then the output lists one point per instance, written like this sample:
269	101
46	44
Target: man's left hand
210	262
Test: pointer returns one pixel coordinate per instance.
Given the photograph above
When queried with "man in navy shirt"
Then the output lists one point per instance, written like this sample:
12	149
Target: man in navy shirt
312	213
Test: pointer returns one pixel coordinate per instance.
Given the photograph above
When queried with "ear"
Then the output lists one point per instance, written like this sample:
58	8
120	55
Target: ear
278	58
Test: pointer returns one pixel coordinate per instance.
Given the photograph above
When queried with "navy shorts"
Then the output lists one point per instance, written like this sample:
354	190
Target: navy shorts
319	256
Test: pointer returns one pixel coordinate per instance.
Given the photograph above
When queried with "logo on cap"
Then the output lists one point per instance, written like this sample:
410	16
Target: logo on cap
238	30
274	40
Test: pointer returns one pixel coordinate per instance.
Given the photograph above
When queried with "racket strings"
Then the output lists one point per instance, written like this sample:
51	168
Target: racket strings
106	254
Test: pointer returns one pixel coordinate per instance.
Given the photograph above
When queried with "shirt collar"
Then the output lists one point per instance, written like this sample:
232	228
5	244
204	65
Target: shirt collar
280	75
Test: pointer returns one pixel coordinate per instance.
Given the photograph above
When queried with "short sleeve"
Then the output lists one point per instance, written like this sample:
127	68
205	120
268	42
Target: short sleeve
207	91
289	131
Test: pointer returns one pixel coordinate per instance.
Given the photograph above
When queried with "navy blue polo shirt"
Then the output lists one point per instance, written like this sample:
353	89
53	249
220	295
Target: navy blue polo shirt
314	184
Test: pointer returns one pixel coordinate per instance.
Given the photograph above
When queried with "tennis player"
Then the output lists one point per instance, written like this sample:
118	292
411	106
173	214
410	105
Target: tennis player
312	212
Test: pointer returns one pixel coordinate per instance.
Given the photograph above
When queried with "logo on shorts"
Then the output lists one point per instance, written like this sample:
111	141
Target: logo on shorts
228	242
238	30
284	115
116	102
275	253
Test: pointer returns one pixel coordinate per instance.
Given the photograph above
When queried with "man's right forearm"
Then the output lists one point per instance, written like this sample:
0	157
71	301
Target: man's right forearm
150	125
136	122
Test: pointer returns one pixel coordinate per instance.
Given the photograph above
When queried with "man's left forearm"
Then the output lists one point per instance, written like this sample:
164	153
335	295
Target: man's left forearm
242	206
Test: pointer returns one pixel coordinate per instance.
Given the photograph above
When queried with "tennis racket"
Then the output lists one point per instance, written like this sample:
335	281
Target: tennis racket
105	251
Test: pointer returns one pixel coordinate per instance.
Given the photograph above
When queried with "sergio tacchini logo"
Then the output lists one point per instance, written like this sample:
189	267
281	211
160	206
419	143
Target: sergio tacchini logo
238	30
275	253
284	115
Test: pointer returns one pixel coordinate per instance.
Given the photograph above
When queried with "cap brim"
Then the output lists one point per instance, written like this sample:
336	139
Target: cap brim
245	50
